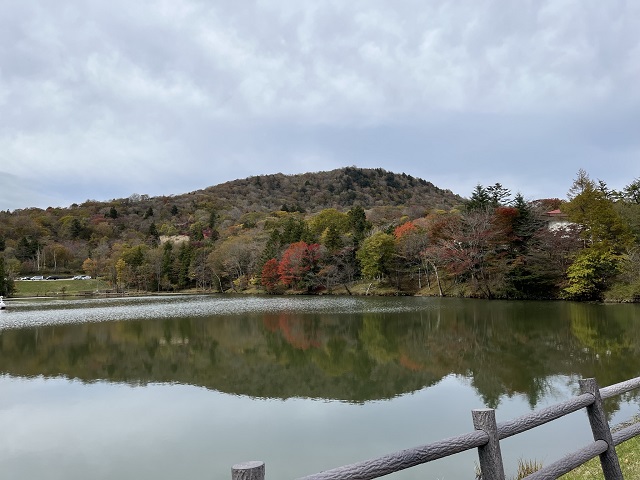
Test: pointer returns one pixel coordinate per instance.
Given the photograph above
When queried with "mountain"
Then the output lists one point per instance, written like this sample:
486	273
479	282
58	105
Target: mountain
308	192
340	189
58	240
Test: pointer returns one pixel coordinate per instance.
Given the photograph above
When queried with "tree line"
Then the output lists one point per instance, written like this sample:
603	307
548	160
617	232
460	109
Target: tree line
491	245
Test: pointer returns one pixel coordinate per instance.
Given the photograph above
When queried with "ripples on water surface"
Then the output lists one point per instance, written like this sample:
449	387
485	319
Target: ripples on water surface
43	312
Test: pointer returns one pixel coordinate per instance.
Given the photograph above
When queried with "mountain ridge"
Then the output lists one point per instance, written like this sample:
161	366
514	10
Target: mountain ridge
307	192
339	188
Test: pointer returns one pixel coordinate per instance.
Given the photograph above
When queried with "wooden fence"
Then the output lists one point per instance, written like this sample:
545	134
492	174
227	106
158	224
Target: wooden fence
486	438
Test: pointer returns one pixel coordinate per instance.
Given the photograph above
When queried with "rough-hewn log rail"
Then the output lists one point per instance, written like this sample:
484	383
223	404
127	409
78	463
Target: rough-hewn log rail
404	459
486	438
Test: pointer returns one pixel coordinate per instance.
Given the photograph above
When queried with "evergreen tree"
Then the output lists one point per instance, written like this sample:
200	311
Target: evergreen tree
590	208
272	247
359	224
76	228
631	193
195	231
527	222
581	184
184	261
153	233
480	199
293	231
498	195
7	286
25	249
213	219
606	238
167	261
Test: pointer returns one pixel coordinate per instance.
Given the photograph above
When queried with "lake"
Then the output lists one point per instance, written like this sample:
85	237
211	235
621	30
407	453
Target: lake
186	386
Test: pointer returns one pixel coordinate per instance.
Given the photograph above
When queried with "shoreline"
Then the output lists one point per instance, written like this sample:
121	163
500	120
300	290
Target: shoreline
361	289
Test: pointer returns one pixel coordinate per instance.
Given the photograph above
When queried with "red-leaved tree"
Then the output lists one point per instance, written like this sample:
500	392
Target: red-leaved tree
270	276
300	265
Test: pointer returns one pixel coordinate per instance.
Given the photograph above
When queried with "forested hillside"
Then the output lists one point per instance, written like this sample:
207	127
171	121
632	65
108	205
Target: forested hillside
340	189
330	231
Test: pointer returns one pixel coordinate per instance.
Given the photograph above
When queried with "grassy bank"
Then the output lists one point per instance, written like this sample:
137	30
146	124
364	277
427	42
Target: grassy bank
628	454
48	288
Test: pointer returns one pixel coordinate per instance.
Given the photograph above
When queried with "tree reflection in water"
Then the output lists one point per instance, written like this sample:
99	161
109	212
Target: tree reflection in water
502	348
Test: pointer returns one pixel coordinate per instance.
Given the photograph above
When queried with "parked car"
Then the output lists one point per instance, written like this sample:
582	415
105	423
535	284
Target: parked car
37	277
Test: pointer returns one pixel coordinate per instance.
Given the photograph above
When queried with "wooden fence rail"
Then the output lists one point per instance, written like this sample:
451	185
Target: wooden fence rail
486	438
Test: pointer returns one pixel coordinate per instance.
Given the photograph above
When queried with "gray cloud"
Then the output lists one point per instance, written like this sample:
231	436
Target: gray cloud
162	97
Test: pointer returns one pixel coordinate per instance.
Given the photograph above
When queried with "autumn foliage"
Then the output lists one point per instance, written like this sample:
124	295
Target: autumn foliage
328	230
299	264
270	276
404	229
298	268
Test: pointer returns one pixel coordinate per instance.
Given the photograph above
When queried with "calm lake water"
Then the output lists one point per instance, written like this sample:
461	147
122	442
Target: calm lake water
186	386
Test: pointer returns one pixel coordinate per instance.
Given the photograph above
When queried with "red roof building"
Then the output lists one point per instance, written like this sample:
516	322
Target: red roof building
557	220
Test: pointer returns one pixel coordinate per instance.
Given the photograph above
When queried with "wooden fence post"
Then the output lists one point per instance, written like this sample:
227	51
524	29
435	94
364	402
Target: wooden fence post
601	430
490	455
248	471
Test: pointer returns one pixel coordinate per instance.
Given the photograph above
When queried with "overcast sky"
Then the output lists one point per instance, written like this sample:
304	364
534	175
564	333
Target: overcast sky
100	100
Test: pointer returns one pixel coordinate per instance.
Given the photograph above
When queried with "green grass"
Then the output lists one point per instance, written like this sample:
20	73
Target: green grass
46	288
628	454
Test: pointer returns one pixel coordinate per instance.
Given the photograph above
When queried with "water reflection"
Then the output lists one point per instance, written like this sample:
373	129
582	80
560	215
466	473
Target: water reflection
163	388
352	350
